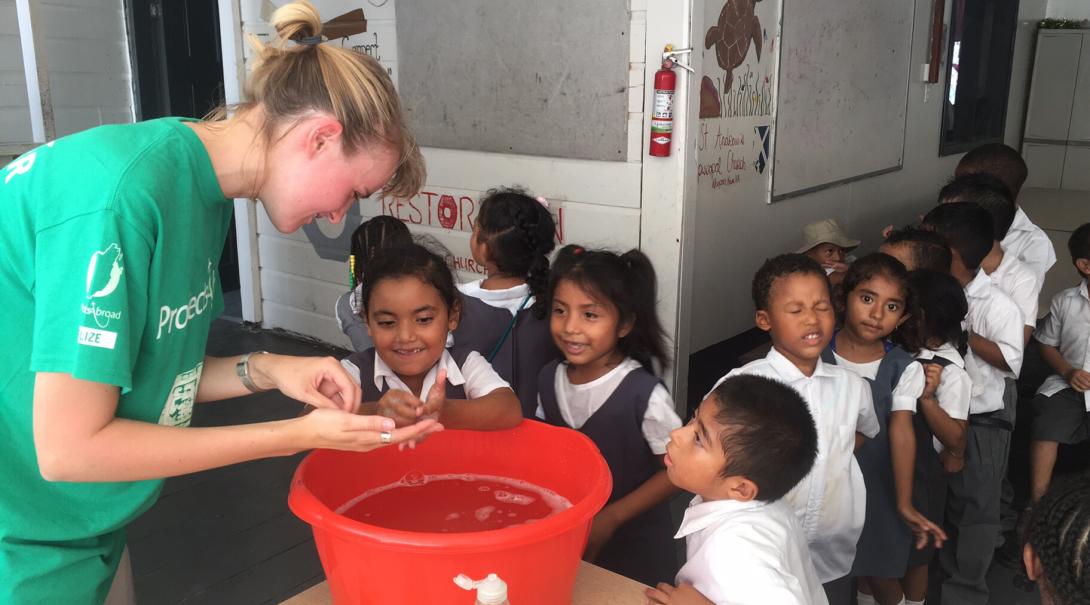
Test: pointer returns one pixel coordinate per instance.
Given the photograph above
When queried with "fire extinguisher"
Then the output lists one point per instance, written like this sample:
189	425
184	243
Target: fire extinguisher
662	113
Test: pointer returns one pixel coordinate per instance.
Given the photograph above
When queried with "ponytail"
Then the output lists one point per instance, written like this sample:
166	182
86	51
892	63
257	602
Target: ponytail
519	233
287	82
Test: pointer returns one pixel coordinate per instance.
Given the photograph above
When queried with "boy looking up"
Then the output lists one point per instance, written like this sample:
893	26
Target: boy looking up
751	441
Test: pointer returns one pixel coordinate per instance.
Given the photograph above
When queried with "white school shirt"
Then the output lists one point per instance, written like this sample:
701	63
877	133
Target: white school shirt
1068	329
508	298
476	375
831	501
909	385
995	317
578	402
955	387
1021	284
1029	244
747	553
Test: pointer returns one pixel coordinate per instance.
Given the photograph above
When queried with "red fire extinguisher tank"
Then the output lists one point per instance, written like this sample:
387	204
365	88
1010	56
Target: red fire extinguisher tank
662	114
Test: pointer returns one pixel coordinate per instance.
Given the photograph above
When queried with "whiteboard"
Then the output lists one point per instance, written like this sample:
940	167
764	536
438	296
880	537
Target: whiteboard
845	67
520	76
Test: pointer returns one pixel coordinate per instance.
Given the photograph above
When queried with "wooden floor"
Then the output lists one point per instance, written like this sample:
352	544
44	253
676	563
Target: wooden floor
226	536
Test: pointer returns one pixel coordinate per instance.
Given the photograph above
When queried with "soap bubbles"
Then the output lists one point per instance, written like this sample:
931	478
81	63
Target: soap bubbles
508	498
414	479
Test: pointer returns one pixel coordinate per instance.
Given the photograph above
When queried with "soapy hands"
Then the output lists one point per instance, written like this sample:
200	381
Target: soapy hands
408	410
682	594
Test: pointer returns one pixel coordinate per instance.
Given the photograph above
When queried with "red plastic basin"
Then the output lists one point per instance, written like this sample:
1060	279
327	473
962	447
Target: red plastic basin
367	564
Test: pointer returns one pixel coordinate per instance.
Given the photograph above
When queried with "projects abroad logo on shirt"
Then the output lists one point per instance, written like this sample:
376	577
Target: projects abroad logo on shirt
104	271
177	318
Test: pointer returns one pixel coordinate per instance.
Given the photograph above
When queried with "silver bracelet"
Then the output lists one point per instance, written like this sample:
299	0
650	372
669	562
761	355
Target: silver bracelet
242	368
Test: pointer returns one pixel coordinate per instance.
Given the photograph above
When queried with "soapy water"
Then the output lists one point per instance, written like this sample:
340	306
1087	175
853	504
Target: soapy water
453	503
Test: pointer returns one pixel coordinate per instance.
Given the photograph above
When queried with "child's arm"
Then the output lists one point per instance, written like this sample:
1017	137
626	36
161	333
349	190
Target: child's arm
1078	379
902	443
988	351
77	436
497	410
656	489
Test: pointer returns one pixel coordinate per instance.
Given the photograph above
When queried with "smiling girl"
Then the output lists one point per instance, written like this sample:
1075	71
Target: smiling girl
410	304
603	320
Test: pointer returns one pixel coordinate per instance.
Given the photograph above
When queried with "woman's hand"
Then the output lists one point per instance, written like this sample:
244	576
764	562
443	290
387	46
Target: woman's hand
340	430
683	594
318	381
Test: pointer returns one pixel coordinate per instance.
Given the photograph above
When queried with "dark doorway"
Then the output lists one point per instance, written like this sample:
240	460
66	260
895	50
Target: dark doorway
178	71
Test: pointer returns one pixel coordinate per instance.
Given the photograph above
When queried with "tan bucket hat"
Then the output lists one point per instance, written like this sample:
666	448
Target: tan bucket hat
825	231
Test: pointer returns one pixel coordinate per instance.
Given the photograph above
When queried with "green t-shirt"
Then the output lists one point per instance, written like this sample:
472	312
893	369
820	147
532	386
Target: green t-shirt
109	248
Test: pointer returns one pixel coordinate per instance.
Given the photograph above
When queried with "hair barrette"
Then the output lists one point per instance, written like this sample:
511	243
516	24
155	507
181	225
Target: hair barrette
542	201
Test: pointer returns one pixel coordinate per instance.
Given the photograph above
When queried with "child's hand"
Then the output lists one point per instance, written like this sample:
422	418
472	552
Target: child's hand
601	530
437	397
922	527
402	406
932	373
683	594
950	463
340	430
1079	380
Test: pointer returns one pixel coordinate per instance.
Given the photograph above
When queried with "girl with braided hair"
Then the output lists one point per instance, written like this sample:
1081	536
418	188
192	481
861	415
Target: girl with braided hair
370	238
504	314
1057	550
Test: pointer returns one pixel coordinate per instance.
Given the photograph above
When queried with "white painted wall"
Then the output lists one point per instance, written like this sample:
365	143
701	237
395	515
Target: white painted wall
1025	41
14	112
595	203
84	49
736	230
1068	9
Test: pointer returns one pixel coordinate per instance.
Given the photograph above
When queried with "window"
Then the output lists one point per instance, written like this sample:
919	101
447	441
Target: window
978	73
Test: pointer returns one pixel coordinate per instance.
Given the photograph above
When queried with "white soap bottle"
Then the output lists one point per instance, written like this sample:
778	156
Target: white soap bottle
490	591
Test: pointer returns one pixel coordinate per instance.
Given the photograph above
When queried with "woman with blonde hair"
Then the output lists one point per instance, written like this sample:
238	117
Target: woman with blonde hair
110	243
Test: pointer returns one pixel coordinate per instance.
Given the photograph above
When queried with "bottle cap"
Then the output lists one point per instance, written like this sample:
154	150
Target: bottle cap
490	591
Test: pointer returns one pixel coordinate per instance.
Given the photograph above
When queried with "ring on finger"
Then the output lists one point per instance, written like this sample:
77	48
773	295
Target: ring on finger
385	437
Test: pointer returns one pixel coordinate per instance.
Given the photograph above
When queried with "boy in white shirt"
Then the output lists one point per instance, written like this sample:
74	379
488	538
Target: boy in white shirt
791	295
996	344
1011	275
1063	401
751	441
1024	240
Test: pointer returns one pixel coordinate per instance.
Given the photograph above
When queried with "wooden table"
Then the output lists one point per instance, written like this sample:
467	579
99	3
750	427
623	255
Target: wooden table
593	586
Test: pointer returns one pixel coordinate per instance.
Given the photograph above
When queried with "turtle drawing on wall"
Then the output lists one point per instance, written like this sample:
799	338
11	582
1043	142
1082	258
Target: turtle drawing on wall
737	26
